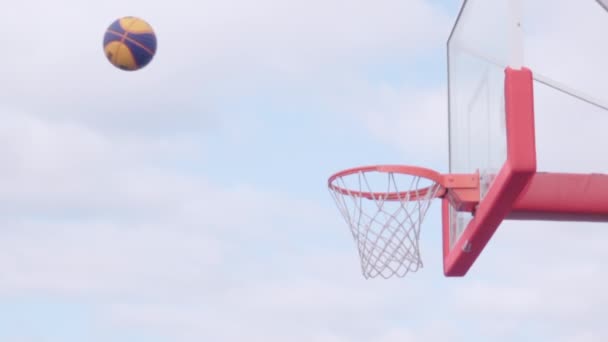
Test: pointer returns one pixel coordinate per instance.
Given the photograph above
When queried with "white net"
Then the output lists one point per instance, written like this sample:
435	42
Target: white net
384	211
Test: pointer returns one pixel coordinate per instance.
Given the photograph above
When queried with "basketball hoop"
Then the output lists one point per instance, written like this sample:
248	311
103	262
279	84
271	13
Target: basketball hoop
384	207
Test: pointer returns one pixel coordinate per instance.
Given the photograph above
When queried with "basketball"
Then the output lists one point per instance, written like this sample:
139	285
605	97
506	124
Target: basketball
129	43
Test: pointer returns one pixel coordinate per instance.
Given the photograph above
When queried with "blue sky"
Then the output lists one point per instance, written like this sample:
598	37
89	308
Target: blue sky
188	202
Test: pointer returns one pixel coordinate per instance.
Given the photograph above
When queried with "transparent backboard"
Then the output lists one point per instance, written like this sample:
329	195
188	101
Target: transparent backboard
477	56
564	44
566	48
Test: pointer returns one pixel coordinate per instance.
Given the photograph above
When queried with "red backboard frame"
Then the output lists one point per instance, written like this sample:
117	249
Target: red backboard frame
520	192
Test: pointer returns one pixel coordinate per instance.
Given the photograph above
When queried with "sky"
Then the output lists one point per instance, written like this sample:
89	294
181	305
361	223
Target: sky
188	201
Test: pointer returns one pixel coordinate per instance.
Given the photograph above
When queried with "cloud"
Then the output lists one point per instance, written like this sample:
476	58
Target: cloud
537	279
86	212
54	166
550	45
412	119
569	131
281	308
213	60
94	259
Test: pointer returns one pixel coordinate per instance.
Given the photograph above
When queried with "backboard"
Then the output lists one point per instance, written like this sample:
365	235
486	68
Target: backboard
527	120
498	57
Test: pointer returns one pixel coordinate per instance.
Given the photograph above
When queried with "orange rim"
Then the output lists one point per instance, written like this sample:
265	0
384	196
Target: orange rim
411	195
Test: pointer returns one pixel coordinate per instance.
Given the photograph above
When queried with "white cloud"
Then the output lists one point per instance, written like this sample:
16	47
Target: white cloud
67	165
212	56
294	308
94	259
414	120
569	47
536	275
569	131
121	215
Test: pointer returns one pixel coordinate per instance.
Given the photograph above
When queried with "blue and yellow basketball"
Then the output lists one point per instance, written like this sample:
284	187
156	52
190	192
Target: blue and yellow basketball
129	43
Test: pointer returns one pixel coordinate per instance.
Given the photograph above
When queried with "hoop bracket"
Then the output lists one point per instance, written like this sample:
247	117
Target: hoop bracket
463	194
